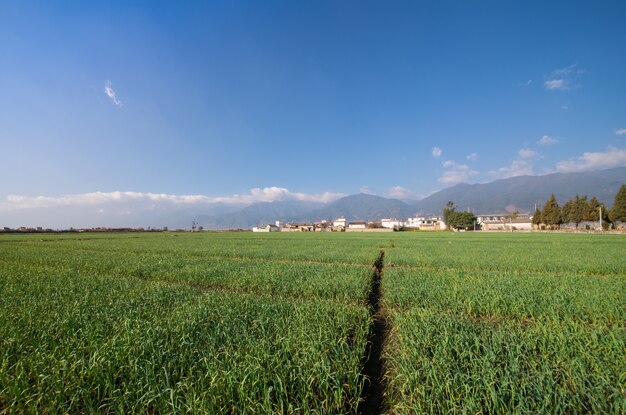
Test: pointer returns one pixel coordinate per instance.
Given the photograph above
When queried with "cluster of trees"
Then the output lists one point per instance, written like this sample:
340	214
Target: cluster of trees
457	220
579	209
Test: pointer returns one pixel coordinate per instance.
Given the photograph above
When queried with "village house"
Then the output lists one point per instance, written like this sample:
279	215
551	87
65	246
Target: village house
432	223
414	223
357	225
340	222
323	226
298	227
266	228
503	222
391	223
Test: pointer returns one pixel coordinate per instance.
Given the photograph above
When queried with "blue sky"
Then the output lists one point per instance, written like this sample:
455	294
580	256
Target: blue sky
307	99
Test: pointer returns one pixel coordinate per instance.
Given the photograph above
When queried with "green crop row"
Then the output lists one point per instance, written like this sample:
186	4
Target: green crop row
86	343
447	364
502	323
599	300
278	323
346	248
291	278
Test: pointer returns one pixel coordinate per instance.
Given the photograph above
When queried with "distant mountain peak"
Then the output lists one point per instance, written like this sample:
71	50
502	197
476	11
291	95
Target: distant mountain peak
523	192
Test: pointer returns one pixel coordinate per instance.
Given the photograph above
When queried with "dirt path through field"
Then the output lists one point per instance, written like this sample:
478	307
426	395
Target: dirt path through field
374	367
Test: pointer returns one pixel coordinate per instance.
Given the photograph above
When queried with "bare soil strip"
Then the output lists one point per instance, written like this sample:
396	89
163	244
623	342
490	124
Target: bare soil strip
373	365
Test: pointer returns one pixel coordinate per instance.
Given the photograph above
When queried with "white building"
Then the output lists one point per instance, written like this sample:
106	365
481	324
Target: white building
357	225
427	223
266	228
341	221
500	222
415	222
391	223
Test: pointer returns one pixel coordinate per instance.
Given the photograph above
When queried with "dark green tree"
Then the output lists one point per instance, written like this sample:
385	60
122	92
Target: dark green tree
551	213
594	210
573	210
567	210
461	220
537	216
449	209
583	207
618	211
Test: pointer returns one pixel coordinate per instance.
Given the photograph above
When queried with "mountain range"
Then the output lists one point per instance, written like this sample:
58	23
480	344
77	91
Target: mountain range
506	195
519	193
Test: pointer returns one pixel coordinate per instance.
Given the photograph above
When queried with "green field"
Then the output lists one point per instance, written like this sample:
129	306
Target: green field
279	323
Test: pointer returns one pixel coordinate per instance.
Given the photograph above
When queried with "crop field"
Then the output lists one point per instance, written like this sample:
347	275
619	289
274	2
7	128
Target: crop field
313	323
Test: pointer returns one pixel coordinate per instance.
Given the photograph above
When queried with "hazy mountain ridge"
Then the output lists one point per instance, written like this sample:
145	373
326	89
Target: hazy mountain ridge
362	207
522	192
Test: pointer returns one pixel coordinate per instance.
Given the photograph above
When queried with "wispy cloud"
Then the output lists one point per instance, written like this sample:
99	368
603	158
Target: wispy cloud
110	92
516	168
620	132
472	157
556	84
613	157
547	140
399	192
267	194
563	78
437	152
564	107
456	173
365	189
527	153
527	83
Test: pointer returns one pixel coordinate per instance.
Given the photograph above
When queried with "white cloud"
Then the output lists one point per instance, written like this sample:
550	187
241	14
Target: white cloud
267	194
399	192
527	153
516	168
110	92
562	79
457	173
564	107
472	157
620	132
365	189
556	84
613	157
546	140
437	152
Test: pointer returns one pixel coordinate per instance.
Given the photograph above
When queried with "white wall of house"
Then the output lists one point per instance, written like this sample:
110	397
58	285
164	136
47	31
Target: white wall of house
414	222
339	222
391	223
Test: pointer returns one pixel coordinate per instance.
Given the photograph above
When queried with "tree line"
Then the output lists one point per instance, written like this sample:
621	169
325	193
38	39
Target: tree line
578	210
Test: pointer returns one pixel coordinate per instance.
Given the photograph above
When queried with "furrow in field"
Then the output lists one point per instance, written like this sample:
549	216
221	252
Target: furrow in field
373	364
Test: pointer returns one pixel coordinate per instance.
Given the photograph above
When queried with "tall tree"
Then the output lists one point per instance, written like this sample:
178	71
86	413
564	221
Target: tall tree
447	211
537	216
461	220
593	209
567	210
576	214
618	211
583	207
551	213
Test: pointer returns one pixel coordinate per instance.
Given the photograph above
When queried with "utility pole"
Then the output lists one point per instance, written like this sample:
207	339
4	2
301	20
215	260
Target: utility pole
600	208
